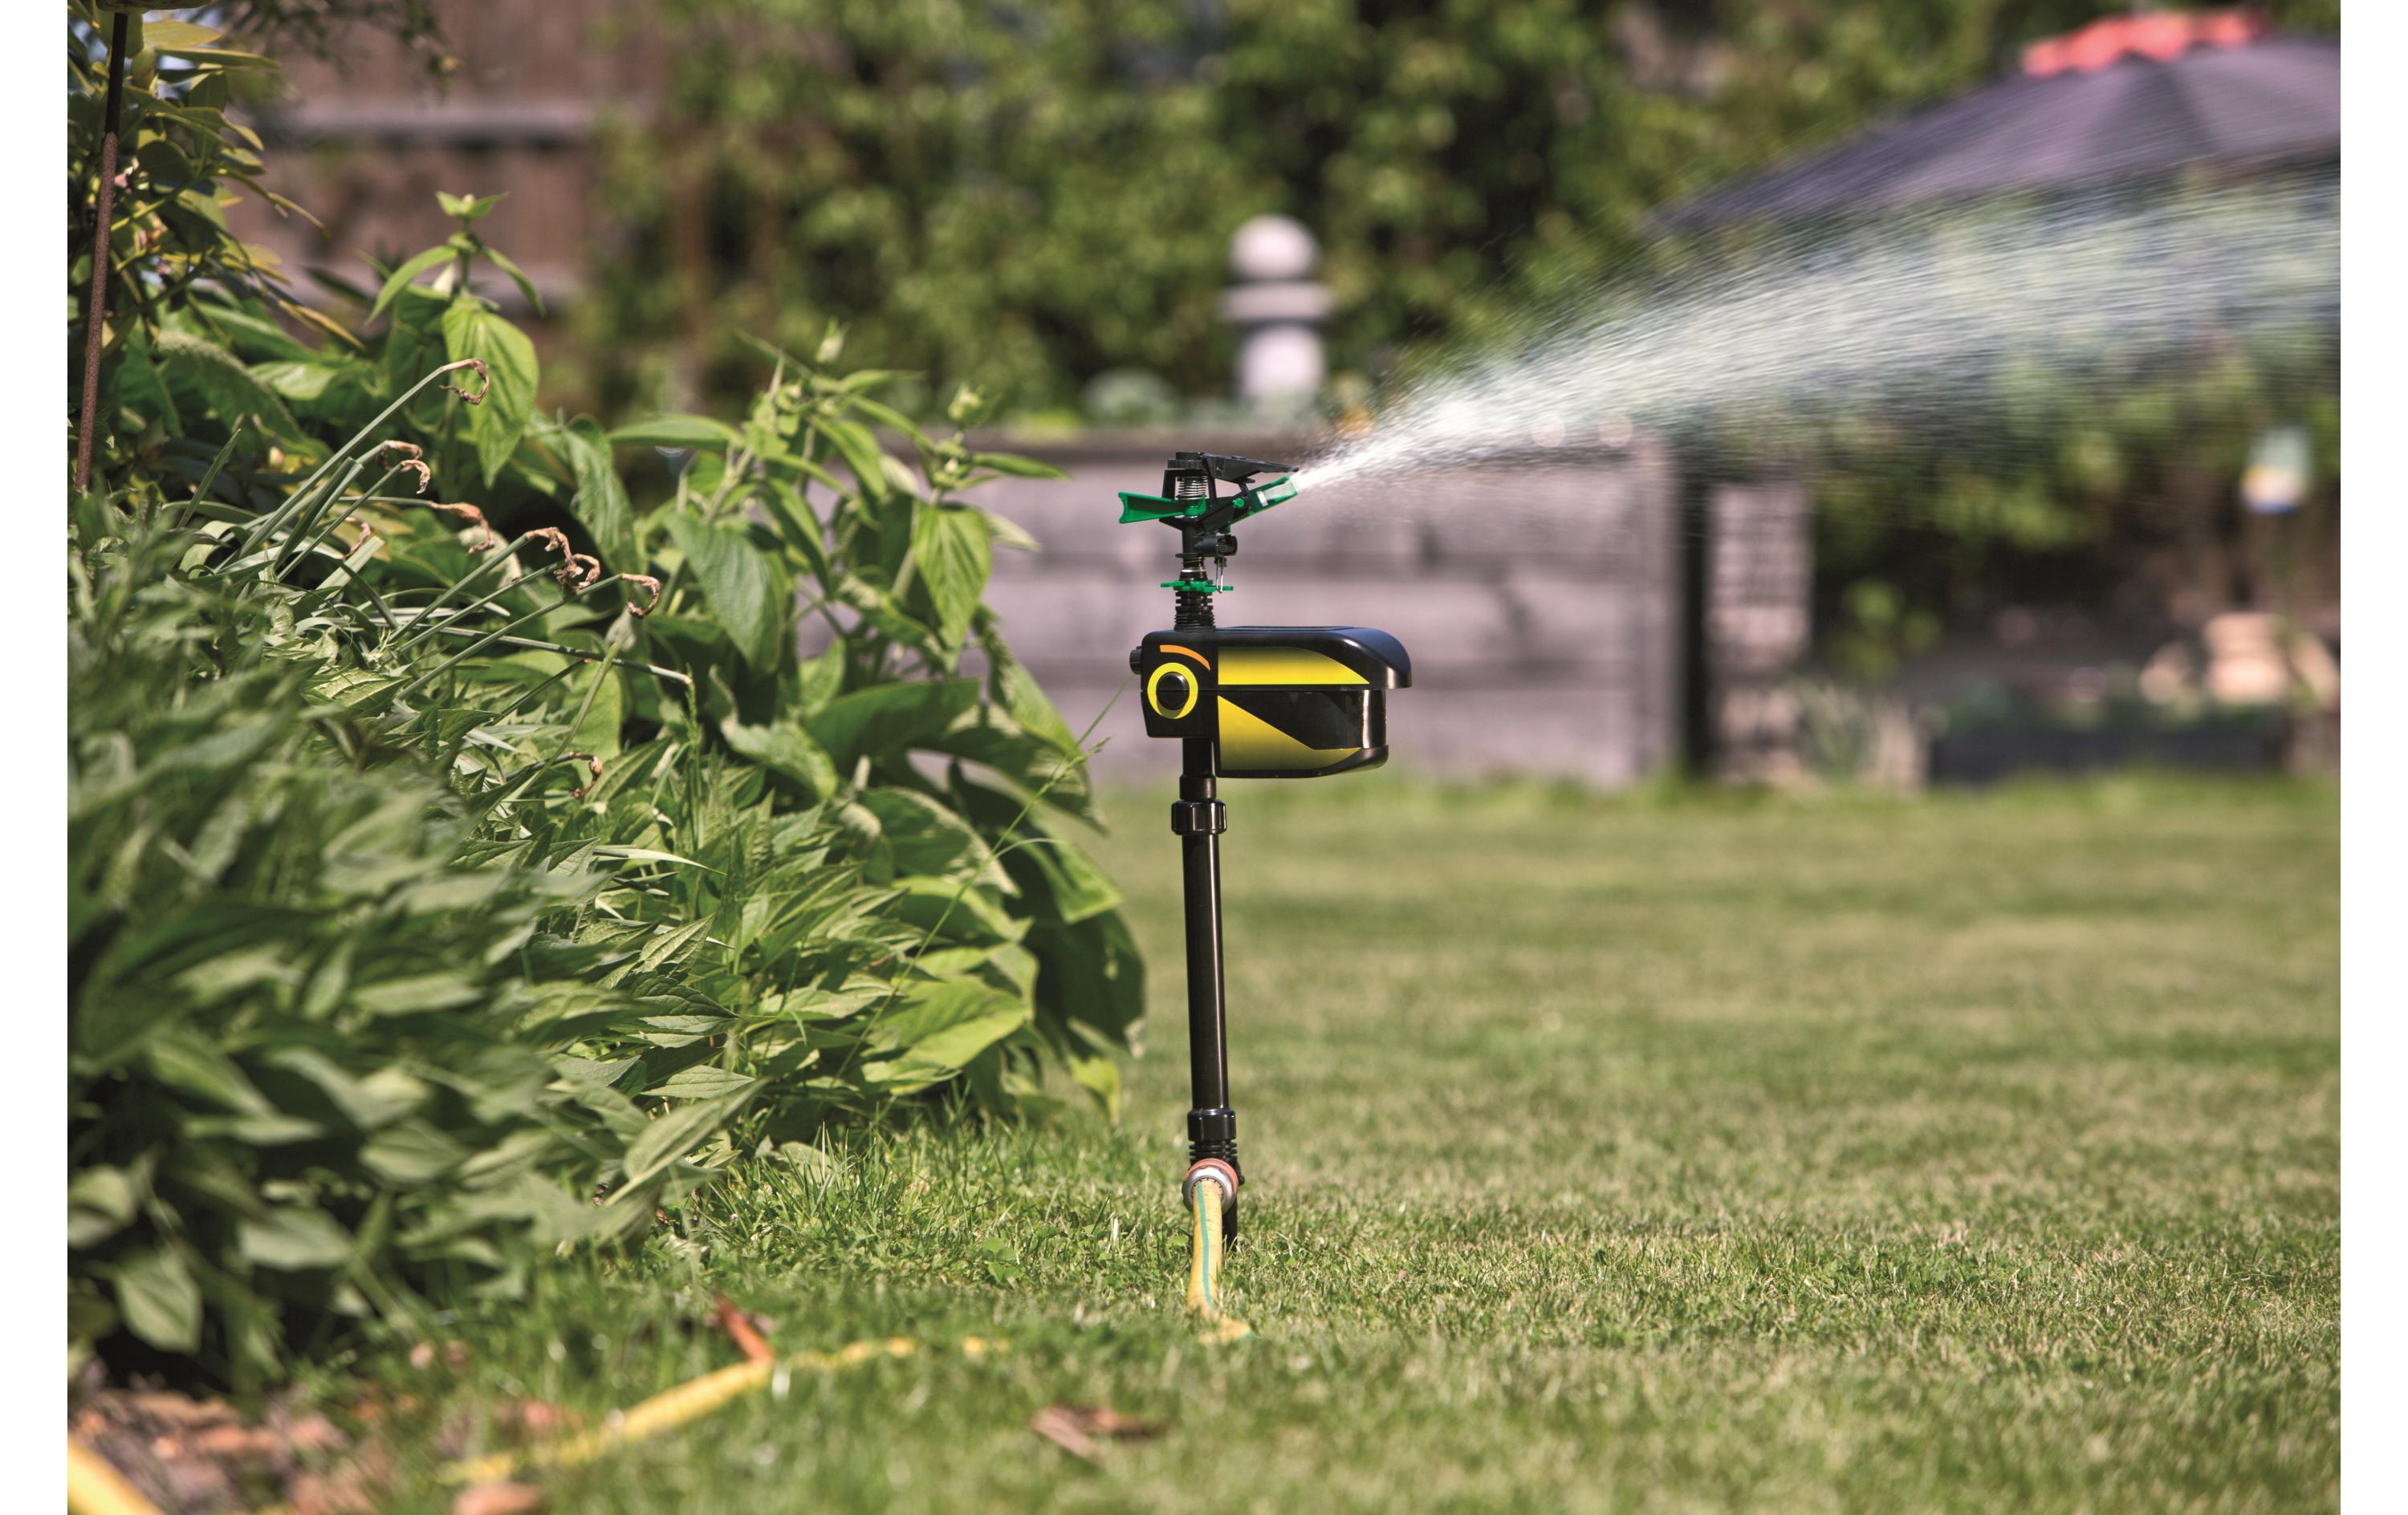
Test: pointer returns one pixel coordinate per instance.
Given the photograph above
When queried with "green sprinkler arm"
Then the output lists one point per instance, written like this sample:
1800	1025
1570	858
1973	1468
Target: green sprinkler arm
1190	502
1247	502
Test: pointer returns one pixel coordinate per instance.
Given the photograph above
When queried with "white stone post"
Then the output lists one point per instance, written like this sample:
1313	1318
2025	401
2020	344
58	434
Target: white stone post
1278	309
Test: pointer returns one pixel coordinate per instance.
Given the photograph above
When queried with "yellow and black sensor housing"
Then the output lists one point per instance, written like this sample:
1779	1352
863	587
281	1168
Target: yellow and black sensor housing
1277	702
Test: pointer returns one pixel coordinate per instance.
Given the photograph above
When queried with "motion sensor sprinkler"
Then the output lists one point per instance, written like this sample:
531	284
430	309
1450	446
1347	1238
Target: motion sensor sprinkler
1243	702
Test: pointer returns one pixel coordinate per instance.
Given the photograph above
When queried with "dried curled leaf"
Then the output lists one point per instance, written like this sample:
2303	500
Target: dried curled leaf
415	461
470	516
592	769
485	379
577	572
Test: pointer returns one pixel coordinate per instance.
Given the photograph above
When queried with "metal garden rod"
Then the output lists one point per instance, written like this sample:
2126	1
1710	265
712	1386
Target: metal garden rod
1198	819
105	205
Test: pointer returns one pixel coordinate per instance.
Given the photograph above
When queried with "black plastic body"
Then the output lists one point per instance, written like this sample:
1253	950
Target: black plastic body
1275	701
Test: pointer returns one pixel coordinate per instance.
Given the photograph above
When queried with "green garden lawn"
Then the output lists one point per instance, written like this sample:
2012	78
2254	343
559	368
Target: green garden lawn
1646	1153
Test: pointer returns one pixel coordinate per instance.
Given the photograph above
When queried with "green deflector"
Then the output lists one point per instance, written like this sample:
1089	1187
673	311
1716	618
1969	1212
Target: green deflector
1250	502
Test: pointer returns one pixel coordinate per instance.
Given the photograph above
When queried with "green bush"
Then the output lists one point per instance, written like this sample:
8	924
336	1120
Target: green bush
455	878
418	891
324	1051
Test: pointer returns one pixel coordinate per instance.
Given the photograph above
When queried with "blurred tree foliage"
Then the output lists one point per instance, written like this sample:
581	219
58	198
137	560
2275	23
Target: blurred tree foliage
1024	197
317	27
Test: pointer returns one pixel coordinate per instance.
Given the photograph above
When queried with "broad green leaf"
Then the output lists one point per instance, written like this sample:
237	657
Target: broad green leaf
1007	531
890	719
934	1028
695	641
925	836
194	1066
1051	866
291	1239
817	680
1058	777
647	854
681	1130
411	1153
164	161
413	346
1099	1075
786	750
417	994
295	381
796	524
886	415
671	943
160	1301
255	337
227	58
1091	974
518	274
400	277
695	431
600	503
174	36
376	1099
101	1201
703	1082
232	391
472	331
743	588
861	454
1025	701
1018	467
273	1129
879	610
974	915
90	1316
599	733
1078	887
950	546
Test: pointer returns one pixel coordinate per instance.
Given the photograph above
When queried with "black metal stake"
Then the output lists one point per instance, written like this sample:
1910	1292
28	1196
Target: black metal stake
1198	819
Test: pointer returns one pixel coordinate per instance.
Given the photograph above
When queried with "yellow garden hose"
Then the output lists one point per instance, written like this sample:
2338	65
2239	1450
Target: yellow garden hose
97	1488
1208	1192
662	1412
687	1402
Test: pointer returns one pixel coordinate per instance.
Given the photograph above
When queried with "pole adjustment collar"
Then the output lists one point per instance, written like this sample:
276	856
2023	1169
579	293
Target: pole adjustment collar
1199	818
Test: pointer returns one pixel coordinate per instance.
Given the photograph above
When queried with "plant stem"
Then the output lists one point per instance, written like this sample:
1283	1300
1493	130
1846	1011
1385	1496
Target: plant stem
96	316
261	531
533	644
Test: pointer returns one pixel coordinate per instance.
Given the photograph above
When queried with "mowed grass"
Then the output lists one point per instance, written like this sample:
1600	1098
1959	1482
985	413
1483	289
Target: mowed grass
1636	1154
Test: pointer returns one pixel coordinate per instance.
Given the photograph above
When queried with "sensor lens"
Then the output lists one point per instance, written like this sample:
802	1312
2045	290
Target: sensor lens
1172	692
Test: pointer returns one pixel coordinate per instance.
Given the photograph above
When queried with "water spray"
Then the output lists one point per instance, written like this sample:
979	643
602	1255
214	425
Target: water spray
1243	702
1913	320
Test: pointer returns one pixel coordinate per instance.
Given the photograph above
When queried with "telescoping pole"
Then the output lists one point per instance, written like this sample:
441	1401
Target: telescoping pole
1199	818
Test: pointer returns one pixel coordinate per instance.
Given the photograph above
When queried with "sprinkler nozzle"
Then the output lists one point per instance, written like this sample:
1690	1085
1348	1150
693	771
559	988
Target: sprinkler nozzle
1176	505
1190	502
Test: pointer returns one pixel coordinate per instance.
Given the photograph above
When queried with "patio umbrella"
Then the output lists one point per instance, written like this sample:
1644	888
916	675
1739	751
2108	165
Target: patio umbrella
2131	97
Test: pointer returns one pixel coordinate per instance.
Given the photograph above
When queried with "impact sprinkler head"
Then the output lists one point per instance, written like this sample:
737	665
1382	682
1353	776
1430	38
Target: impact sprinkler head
1192	502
